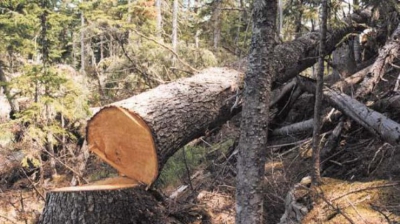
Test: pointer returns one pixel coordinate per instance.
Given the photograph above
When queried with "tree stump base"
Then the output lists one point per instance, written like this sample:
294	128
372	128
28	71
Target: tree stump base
106	204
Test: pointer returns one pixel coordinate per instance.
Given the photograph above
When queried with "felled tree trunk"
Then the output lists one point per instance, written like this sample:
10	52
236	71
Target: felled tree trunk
175	113
137	136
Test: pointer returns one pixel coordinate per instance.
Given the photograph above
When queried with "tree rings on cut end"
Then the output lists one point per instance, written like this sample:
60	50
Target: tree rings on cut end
123	140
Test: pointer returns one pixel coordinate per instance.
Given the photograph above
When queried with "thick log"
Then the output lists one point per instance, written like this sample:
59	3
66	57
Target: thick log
374	122
176	113
127	205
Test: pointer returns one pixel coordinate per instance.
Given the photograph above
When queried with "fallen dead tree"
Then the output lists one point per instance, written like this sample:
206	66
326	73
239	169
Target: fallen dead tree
137	135
387	55
305	126
374	122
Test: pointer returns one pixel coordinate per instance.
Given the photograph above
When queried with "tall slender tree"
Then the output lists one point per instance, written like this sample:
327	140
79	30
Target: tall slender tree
175	28
159	19
82	37
316	176
254	123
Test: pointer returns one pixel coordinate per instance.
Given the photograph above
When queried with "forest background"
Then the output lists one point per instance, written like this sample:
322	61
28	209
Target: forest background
58	59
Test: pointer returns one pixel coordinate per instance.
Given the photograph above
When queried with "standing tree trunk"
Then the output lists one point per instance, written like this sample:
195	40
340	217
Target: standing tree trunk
82	44
216	20
280	9
316	175
159	19
7	93
175	30
254	123
298	18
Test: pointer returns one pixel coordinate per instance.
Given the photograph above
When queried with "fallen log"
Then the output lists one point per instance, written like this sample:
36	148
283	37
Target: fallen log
136	136
374	122
295	56
387	54
305	126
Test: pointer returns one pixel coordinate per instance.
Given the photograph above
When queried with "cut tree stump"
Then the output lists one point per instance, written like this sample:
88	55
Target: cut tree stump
137	136
91	205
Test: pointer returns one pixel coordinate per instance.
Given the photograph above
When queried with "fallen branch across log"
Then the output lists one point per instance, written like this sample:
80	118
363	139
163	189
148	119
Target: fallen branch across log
374	122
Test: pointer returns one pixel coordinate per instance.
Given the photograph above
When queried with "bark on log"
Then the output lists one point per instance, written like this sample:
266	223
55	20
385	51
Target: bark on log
305	126
178	112
349	82
297	55
129	205
374	122
386	56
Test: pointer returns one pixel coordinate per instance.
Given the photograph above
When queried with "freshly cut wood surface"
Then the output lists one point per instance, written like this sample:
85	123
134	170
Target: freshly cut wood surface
112	183
123	140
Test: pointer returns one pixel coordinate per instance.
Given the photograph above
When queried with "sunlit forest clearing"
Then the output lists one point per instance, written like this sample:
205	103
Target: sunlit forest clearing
151	111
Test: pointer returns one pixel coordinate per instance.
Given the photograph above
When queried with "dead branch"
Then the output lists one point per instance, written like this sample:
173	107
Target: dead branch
279	93
374	122
305	126
386	56
336	208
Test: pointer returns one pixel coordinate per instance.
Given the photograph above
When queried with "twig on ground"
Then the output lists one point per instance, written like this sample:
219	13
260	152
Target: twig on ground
375	208
356	210
33	185
11	221
337	209
367	188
